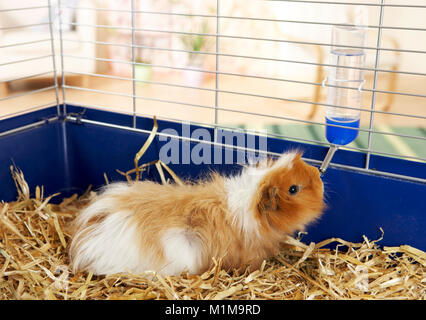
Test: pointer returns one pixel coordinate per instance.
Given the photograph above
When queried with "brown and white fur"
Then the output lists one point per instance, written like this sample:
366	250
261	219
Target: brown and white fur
145	226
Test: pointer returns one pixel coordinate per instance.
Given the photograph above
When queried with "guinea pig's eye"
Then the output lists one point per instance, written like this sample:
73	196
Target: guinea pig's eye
293	189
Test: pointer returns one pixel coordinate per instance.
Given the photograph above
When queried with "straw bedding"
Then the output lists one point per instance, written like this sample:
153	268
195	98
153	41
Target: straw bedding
34	265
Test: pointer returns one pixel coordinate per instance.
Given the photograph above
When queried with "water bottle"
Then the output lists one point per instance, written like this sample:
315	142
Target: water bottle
345	80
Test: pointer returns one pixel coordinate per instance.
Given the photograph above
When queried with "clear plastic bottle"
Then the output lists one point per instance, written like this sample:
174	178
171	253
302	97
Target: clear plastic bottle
343	77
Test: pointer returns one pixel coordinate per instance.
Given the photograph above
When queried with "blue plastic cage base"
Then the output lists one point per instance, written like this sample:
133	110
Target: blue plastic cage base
68	156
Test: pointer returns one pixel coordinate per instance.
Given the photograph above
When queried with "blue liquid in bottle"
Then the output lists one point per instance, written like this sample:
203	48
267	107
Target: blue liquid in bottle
341	136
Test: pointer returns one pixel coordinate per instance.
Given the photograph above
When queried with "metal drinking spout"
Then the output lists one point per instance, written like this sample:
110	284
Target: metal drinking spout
327	160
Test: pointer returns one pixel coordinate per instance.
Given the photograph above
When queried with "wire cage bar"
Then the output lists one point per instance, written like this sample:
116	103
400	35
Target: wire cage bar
64	92
373	98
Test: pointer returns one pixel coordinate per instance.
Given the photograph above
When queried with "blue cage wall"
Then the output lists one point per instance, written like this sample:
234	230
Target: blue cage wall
68	156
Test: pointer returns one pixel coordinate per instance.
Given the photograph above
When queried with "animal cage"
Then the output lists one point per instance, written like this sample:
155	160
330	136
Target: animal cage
112	66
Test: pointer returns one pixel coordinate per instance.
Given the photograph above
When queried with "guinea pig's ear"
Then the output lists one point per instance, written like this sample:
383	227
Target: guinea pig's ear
269	199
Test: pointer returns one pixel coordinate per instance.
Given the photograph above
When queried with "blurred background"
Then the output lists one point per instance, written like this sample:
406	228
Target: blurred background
268	74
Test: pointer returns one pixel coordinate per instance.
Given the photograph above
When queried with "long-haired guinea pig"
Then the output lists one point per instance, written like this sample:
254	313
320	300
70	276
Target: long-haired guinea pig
242	219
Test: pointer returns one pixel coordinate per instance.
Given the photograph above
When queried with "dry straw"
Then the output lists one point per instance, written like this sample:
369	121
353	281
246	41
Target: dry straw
34	261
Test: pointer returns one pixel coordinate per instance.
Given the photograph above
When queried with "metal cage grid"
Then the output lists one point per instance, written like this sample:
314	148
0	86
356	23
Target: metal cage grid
61	88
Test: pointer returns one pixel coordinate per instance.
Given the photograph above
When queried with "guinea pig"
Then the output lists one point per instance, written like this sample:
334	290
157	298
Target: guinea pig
242	219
